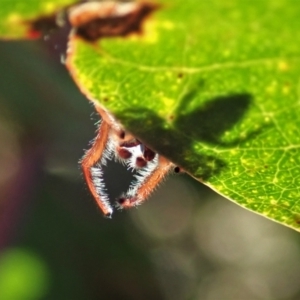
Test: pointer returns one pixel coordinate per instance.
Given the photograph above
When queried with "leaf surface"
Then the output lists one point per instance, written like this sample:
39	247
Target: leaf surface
214	86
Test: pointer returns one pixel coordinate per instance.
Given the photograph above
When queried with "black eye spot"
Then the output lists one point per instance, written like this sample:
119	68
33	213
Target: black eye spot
176	170
108	215
121	200
122	134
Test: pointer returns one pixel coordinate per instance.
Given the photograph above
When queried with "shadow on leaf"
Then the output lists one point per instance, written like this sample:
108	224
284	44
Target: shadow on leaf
207	124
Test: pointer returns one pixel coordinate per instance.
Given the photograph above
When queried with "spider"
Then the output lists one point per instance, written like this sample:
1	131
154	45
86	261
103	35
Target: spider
92	21
112	141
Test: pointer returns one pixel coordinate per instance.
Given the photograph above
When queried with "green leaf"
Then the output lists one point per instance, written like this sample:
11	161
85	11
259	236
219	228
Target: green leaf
16	16
214	86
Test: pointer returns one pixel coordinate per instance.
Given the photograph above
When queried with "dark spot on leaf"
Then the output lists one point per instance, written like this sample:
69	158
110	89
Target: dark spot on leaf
297	221
95	20
180	75
266	167
106	99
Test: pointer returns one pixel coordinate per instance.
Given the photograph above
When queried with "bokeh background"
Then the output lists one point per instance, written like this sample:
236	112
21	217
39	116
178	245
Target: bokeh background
186	242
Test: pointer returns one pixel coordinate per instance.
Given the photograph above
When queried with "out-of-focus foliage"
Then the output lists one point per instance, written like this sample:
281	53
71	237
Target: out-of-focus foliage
22	275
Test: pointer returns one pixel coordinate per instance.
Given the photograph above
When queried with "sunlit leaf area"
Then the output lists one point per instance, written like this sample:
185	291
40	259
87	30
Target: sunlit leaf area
186	242
217	92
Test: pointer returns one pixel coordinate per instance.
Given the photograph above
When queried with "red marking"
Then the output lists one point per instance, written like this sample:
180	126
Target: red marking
41	25
140	162
124	153
148	154
130	143
33	34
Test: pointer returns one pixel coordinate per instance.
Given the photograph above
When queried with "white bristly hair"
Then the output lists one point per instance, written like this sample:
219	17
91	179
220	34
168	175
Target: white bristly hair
140	178
108	154
97	178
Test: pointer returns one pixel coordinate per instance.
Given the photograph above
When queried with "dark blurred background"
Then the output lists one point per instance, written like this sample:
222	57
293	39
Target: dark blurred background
186	242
